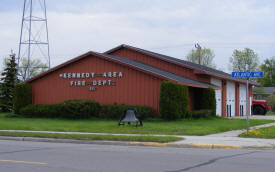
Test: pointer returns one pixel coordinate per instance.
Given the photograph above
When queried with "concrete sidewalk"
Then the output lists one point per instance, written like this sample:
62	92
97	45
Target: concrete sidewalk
228	139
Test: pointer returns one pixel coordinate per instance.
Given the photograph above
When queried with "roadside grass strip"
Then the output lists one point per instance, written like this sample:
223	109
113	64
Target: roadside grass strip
158	139
270	113
199	127
266	133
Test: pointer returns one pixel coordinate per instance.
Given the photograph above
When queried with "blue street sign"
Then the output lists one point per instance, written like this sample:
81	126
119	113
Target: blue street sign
247	74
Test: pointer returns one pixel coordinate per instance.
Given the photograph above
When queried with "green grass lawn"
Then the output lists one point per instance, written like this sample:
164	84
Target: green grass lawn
154	126
159	139
268	133
270	113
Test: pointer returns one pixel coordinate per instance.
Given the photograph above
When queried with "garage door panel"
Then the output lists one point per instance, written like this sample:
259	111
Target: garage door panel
218	93
242	98
230	99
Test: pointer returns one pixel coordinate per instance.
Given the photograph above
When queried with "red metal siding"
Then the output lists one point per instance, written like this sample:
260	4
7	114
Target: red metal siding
134	88
171	67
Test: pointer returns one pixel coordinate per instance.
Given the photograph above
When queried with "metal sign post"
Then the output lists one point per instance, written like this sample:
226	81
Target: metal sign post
247	75
247	104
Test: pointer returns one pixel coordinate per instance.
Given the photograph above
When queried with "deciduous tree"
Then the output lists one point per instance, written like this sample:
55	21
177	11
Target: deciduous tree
206	55
268	67
240	58
31	69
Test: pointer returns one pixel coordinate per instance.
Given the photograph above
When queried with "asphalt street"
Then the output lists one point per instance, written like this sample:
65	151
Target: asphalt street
18	156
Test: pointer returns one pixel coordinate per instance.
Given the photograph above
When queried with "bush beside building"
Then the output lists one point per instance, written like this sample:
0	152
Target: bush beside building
82	109
22	97
208	100
173	102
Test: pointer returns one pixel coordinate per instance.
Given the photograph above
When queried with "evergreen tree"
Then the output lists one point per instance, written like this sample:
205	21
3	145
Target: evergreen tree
8	81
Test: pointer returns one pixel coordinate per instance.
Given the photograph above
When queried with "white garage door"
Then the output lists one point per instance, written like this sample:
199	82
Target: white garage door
242	100
218	102
230	99
218	83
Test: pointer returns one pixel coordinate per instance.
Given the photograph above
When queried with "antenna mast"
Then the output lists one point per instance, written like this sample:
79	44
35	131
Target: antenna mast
34	38
197	45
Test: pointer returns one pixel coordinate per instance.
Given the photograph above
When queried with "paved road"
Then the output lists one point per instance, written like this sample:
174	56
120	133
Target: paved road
17	156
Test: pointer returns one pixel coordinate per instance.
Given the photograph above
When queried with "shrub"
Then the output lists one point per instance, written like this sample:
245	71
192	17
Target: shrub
79	109
75	109
11	115
116	111
112	111
271	101
173	103
203	113
41	110
208	100
22	96
144	111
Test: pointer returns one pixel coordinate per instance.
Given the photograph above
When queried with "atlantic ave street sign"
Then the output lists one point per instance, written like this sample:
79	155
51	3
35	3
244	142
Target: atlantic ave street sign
247	74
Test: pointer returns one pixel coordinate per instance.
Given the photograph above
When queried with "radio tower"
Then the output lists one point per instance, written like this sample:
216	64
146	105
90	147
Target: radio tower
34	39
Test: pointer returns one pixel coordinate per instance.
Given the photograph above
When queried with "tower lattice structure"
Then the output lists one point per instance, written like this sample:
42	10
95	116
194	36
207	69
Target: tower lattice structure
34	38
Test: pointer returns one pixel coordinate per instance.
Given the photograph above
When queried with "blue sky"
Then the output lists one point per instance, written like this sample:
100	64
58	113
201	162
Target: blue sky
169	27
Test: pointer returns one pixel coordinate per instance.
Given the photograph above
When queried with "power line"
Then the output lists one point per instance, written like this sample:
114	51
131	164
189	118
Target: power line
218	45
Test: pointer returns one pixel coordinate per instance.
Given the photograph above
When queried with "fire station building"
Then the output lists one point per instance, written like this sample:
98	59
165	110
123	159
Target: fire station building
130	75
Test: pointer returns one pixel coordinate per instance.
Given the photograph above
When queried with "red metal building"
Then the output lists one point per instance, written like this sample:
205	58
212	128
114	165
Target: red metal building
129	75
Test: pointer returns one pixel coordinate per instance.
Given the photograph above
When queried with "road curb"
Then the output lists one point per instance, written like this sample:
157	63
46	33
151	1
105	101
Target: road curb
129	143
217	146
53	140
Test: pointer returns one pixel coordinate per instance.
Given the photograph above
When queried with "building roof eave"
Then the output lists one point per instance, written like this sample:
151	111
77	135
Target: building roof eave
158	73
196	70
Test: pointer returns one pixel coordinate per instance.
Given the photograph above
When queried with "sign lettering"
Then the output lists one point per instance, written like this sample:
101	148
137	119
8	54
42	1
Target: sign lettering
247	74
83	79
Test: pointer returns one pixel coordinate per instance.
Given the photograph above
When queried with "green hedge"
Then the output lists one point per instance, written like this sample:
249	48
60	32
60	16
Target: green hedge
81	109
116	111
208	100
22	96
203	113
39	110
75	109
173	102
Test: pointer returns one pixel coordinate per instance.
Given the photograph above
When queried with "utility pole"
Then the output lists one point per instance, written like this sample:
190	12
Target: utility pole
197	45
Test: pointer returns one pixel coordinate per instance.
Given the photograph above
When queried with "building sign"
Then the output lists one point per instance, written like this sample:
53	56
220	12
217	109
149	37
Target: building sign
91	79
